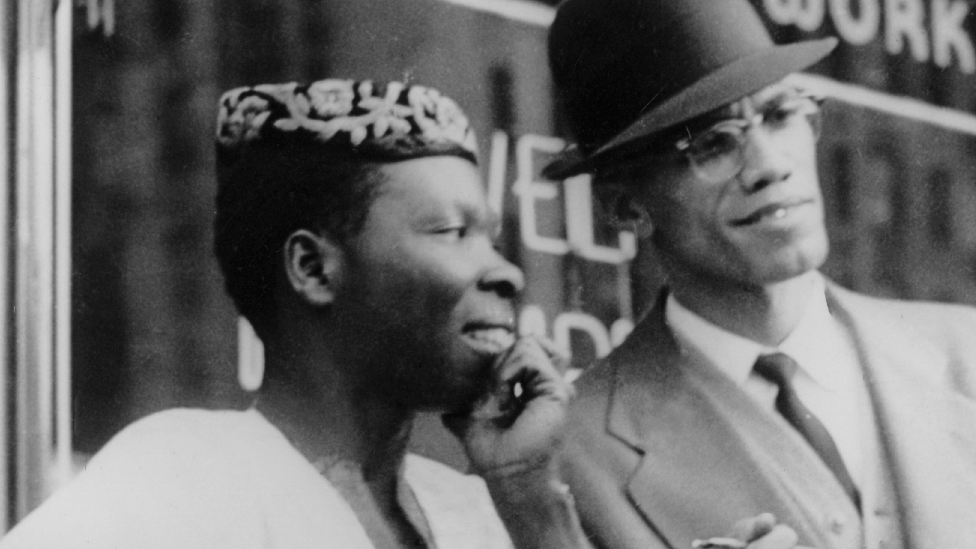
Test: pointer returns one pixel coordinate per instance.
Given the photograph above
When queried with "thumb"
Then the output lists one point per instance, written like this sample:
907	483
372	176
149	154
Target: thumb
752	528
780	537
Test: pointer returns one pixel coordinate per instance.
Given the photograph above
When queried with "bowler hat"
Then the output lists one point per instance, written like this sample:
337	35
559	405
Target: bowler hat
626	70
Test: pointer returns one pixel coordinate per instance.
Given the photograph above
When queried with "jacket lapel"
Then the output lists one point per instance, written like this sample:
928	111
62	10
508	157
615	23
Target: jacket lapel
711	456
928	430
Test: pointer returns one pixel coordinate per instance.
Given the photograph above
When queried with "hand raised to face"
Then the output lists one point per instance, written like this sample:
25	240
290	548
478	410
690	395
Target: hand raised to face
518	425
512	436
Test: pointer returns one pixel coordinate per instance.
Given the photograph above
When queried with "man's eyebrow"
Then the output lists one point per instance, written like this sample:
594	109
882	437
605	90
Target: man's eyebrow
476	213
701	123
710	118
780	94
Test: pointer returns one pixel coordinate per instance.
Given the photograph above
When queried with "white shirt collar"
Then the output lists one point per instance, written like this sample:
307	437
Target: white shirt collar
815	337
730	353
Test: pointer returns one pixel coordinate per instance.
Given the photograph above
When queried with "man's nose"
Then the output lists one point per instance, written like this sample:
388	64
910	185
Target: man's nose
503	278
766	159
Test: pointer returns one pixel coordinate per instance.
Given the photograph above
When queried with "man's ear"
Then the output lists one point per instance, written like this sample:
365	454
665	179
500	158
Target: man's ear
313	263
629	214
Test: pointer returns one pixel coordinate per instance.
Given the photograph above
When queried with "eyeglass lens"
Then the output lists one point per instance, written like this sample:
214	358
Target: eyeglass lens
717	154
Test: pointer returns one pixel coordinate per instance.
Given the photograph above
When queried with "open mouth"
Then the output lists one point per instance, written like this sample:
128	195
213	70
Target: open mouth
489	339
771	212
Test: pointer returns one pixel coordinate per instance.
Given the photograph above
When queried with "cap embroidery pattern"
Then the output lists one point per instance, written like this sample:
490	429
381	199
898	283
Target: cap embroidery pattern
356	115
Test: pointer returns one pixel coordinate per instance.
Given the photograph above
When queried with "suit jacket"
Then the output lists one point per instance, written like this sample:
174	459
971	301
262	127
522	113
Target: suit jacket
663	450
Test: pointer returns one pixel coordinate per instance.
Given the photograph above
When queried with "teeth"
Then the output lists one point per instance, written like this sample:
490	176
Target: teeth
496	337
780	213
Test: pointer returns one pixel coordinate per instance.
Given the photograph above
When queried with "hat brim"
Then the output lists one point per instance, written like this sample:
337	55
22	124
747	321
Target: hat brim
729	83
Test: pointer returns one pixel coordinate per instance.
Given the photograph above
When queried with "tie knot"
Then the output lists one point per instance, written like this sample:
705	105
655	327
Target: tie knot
777	367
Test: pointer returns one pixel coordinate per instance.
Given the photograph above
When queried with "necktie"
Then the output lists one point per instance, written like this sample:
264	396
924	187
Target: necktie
780	369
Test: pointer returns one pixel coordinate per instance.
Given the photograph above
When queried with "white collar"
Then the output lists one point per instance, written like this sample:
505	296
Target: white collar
811	343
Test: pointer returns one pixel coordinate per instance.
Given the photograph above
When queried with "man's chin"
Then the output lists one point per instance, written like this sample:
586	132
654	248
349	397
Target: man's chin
791	263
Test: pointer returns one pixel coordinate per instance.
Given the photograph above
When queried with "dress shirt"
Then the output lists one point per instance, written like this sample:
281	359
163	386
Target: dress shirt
828	381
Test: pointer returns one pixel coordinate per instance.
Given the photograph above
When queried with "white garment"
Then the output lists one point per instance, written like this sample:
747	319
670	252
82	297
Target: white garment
829	380
191	479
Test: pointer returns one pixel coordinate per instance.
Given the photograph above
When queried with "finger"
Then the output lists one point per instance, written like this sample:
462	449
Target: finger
521	418
530	391
780	537
753	527
523	373
559	355
528	372
527	351
561	358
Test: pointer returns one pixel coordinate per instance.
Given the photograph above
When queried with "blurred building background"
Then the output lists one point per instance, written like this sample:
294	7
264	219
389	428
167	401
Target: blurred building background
150	326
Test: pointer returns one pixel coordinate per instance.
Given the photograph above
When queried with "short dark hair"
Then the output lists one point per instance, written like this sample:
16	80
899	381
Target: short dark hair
270	191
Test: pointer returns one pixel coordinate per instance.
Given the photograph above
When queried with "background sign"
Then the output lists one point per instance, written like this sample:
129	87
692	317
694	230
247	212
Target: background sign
153	328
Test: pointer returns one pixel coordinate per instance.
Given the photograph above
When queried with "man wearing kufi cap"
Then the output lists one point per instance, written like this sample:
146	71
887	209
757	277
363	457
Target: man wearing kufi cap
353	233
754	384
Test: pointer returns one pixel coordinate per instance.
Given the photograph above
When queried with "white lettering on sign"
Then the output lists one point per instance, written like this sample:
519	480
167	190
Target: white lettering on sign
948	35
930	31
532	321
579	226
578	203
619	330
782	12
856	30
808	15
529	191
564	324
496	171
905	20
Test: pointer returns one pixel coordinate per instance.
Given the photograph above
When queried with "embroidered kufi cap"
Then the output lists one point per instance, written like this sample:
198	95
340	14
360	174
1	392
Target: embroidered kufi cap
356	119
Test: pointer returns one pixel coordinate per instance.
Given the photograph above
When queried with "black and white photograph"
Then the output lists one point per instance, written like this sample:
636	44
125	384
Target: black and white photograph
488	274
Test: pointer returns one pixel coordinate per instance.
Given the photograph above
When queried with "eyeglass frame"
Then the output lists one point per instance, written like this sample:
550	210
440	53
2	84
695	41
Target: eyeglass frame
742	127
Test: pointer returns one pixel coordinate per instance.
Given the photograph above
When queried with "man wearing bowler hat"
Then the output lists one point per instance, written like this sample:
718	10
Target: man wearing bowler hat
754	384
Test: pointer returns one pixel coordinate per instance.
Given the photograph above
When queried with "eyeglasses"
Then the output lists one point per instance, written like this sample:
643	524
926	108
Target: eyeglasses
718	153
